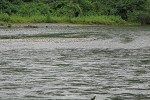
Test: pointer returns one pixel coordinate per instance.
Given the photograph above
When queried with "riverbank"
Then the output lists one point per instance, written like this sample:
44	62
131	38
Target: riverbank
6	20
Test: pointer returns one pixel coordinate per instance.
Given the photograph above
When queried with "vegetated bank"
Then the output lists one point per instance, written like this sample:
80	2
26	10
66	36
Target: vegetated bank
107	12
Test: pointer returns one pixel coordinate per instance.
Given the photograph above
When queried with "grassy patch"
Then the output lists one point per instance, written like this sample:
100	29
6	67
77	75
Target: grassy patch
55	19
104	20
32	19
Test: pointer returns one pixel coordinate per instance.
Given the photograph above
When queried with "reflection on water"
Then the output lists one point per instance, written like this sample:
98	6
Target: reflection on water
110	68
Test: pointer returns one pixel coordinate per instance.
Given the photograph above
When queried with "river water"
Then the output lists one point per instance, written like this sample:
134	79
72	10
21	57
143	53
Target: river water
111	63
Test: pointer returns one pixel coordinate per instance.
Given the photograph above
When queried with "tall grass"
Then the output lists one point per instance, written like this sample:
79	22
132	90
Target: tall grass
55	19
106	20
32	19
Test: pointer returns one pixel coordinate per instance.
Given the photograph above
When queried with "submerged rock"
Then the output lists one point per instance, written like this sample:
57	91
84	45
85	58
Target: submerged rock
30	26
9	25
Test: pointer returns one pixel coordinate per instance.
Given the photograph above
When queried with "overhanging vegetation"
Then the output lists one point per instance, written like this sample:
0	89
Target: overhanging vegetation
75	11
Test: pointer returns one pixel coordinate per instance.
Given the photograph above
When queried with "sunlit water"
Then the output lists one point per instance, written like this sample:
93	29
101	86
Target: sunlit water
112	64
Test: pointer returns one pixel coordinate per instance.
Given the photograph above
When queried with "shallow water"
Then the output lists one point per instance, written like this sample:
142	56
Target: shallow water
111	63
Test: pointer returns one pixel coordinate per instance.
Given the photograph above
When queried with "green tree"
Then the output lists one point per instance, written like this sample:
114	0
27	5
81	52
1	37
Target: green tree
70	10
5	6
123	7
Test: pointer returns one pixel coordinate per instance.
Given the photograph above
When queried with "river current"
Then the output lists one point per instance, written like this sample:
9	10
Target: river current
111	63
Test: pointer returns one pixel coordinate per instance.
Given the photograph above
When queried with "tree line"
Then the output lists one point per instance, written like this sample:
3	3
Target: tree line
129	10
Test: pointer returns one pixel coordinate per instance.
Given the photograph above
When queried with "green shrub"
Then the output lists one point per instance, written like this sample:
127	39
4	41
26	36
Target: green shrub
4	17
133	17
144	18
31	9
19	19
48	18
70	10
32	19
38	19
107	20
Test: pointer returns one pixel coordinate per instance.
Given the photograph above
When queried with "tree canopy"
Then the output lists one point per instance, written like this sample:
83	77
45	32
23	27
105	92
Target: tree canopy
75	8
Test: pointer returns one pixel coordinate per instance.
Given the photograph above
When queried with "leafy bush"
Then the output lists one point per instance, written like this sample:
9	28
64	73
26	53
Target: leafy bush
144	18
70	10
27	9
32	19
32	9
4	17
107	20
5	6
86	11
133	16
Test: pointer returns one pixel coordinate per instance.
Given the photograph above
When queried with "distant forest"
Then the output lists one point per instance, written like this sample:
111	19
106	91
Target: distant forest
128	10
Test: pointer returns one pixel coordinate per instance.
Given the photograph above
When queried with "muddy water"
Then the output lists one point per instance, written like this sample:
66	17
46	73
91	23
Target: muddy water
112	63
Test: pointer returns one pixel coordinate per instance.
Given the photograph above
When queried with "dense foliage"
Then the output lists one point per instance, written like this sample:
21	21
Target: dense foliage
129	10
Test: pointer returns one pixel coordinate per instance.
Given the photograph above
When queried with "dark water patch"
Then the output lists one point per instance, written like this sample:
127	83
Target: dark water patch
127	96
146	61
117	98
11	86
4	63
60	35
137	81
48	35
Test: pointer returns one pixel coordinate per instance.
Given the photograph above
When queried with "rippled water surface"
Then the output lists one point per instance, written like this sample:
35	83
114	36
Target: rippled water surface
111	63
